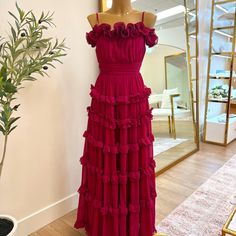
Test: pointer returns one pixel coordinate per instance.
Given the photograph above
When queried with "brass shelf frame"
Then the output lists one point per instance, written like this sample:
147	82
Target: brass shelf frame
229	55
193	78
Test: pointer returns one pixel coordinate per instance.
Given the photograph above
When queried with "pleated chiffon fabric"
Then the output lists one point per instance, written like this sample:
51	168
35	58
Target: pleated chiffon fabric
117	192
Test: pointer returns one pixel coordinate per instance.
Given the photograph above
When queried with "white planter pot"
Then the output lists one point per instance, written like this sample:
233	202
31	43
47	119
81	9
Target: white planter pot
14	230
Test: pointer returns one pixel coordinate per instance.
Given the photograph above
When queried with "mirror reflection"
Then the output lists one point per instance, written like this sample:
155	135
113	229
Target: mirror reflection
169	69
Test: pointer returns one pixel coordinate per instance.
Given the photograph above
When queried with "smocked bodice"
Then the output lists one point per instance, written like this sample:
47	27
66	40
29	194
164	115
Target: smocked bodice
122	44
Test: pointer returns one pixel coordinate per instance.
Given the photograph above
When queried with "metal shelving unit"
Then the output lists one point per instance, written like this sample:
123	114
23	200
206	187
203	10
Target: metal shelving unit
191	10
217	125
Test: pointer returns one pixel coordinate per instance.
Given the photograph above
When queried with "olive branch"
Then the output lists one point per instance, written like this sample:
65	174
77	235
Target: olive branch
23	55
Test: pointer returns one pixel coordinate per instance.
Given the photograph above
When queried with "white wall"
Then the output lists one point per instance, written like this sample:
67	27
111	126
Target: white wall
153	67
42	165
170	41
175	37
204	26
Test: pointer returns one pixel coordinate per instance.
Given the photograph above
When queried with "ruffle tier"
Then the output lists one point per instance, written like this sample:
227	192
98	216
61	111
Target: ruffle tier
118	177
133	98
118	148
117	192
120	30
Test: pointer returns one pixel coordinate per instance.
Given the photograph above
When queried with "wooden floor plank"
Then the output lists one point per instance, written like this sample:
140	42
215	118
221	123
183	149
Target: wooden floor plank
173	186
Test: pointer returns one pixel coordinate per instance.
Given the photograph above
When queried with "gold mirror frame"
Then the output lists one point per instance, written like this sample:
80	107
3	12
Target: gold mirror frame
191	79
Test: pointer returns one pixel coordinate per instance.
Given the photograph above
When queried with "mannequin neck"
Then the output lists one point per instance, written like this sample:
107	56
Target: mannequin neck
121	7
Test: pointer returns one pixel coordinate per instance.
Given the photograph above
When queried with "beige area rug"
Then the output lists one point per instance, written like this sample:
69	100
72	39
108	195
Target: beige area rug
205	211
163	144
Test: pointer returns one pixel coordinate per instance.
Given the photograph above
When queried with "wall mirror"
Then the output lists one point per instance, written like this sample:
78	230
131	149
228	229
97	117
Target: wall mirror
220	109
170	69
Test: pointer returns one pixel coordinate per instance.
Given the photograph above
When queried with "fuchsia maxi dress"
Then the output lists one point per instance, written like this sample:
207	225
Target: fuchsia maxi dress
117	192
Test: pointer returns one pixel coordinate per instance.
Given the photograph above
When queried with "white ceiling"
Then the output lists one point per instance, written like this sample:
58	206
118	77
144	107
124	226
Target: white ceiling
156	6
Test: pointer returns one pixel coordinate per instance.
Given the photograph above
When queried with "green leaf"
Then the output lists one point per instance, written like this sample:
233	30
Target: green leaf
30	78
12	129
3	117
18	42
13	16
17	25
42	16
7	109
21	12
9	87
50	64
3	73
2	130
12	120
13	33
57	60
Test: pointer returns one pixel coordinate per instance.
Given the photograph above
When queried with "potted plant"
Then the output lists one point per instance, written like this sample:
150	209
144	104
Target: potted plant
24	55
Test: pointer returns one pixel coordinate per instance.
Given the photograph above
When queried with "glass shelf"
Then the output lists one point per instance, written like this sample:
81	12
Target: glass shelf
193	33
221	77
223	53
224	2
227	31
217	100
191	10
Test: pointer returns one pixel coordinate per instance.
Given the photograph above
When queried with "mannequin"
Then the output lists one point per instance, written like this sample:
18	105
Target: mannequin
122	11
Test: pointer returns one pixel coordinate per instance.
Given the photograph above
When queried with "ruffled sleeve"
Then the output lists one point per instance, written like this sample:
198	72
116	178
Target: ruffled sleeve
151	38
91	38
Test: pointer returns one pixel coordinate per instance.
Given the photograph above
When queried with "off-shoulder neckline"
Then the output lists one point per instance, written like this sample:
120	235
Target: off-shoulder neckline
121	29
112	26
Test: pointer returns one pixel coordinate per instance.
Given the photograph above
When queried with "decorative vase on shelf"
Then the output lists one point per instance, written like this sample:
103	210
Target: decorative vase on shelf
219	92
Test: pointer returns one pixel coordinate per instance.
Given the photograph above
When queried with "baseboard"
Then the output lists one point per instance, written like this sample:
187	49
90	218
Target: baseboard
46	215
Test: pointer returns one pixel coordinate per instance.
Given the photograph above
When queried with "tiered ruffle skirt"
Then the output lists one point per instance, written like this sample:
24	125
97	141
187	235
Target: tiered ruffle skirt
117	192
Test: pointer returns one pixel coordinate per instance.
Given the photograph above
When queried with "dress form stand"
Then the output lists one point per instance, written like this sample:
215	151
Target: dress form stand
122	11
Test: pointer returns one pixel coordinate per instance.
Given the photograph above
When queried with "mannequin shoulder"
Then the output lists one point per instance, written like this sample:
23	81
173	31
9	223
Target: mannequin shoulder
92	19
150	19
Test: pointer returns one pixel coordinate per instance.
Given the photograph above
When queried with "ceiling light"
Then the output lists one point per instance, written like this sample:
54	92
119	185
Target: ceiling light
170	12
109	3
